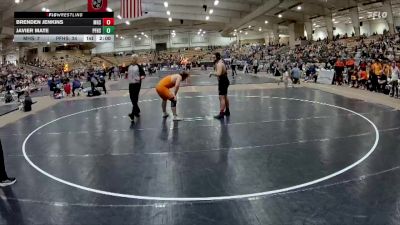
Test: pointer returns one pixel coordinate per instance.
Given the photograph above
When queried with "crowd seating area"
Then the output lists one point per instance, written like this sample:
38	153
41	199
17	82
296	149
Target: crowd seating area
369	63
16	80
356	54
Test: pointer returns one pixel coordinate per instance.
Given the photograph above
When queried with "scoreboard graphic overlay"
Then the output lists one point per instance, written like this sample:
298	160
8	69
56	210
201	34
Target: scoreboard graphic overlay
64	27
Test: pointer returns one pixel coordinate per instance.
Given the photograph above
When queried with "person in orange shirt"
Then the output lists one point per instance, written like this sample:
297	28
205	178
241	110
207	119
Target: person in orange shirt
387	69
350	65
339	67
162	88
354	79
363	75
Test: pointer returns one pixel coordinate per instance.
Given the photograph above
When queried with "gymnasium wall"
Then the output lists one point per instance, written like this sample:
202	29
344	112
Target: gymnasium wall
368	28
181	40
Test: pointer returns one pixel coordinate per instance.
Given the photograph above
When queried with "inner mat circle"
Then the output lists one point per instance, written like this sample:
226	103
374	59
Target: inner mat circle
192	171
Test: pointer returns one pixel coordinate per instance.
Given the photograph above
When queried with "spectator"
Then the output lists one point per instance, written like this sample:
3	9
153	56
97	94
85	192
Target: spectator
27	102
255	65
394	81
67	87
295	74
76	84
339	68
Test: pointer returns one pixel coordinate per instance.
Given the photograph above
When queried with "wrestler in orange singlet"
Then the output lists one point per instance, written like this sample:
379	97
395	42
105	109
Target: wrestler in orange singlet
163	91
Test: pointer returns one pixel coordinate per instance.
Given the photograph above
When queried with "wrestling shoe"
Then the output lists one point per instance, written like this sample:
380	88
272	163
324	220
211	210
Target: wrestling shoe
177	118
227	112
7	182
219	116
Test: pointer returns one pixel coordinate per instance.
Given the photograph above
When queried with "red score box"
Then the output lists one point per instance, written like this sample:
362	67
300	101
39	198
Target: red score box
108	21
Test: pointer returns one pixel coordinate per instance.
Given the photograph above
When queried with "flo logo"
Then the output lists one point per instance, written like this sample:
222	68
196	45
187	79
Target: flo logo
377	15
97	4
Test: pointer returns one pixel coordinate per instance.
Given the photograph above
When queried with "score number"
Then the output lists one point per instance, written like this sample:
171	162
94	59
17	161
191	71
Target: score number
108	21
108	25
108	30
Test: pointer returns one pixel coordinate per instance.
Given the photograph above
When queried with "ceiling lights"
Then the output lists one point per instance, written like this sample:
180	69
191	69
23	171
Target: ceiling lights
211	11
166	4
119	17
207	17
109	9
170	19
17	1
246	33
280	15
260	29
266	21
127	22
299	7
168	13
44	9
201	32
216	2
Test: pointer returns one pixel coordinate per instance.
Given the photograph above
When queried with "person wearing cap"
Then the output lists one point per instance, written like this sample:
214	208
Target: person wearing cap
135	76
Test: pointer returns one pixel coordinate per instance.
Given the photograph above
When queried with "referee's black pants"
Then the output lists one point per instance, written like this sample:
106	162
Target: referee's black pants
134	90
3	174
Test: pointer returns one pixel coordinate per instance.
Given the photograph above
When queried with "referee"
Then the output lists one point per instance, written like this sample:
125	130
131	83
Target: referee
135	76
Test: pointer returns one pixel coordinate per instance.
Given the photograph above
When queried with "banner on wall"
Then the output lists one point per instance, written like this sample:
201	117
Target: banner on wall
97	6
180	40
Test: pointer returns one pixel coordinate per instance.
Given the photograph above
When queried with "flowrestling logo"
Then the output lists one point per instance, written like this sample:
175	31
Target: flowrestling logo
97	4
377	15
